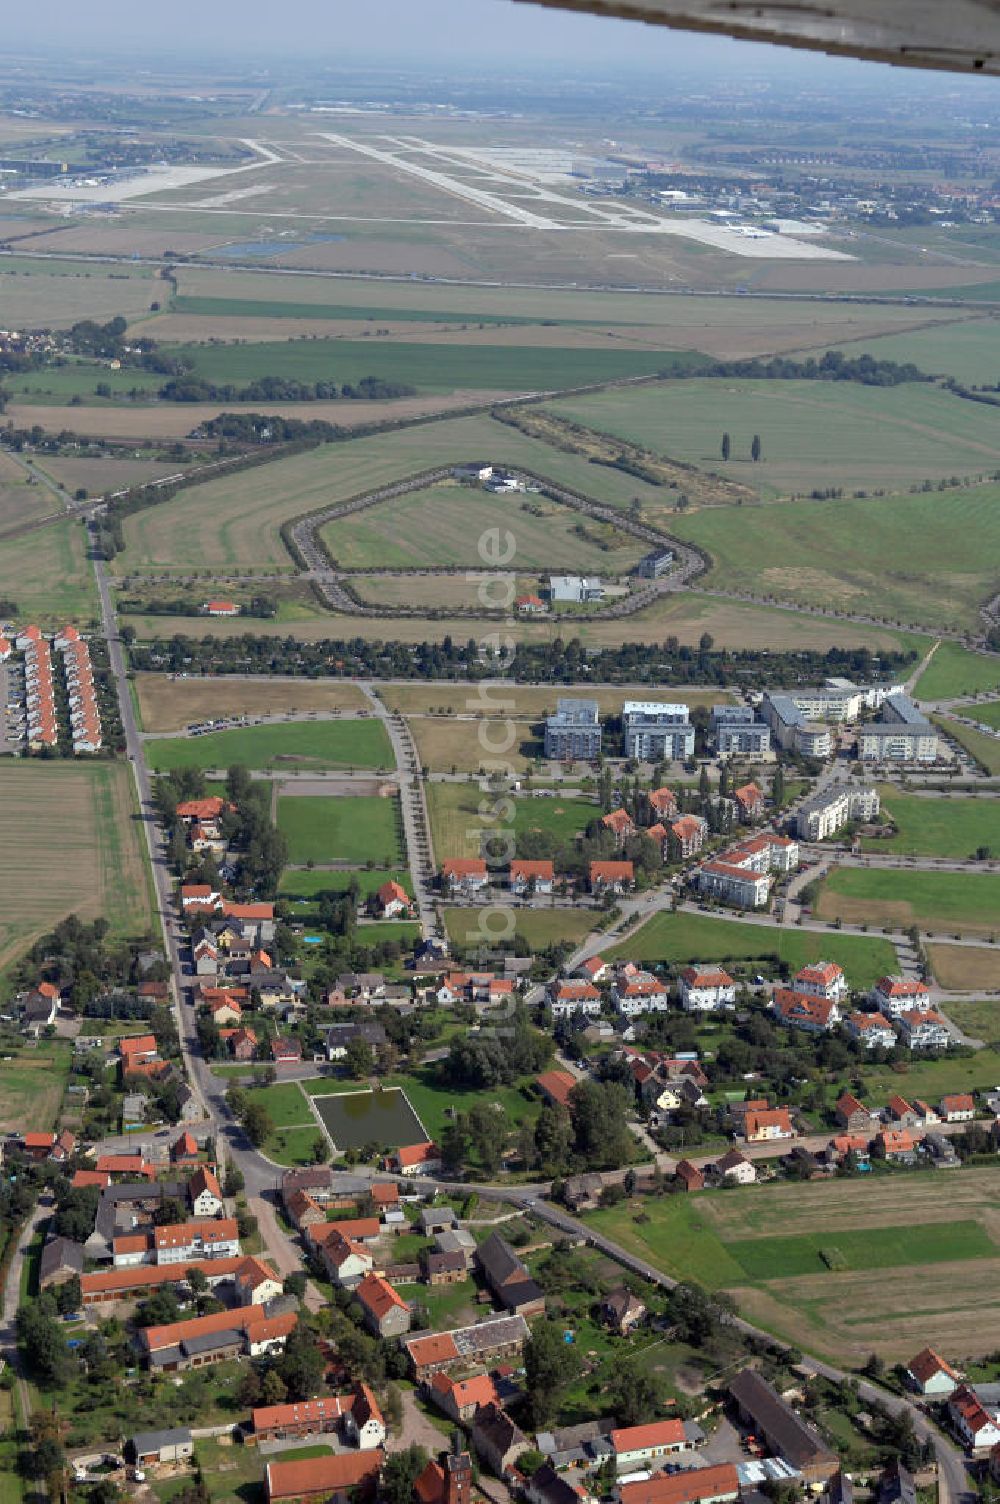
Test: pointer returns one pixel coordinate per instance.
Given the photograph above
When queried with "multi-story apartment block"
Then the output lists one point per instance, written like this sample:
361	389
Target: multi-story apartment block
740	886
656	730
902	735
574	732
826	813
704	989
894	995
738	732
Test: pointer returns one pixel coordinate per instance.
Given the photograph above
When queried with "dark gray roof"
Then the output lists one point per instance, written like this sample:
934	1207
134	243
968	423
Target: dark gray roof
499	1262
798	1443
165	1357
309	1178
433	1217
342	1034
60	1253
152	1441
552	1487
438	1263
209	1342
495	1427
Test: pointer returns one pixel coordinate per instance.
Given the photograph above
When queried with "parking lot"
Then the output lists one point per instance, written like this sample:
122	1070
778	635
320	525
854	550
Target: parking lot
13	722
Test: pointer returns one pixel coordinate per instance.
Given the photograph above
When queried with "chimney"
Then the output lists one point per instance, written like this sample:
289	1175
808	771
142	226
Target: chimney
457	1478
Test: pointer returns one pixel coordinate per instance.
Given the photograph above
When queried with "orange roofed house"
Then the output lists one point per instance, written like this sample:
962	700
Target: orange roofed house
392	899
619	823
464	874
337	1476
763	1123
416	1159
531	876
611	877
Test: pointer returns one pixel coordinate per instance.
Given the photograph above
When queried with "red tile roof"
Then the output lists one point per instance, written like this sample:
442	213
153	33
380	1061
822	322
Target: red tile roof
417	1154
337	1473
659	1433
557	1085
377	1296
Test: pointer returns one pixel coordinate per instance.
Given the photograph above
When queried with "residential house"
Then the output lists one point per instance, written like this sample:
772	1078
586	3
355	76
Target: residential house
531	876
814	1014
930	1375
687	836
205	1194
508	1277
496	1339
718	1483
356	1415
339	1036
547	1486
822	979
923	1030
594	969
872	1030
893	995
619	823
303	1210
217	1238
385	1313
496	1439
184	1149
203	1340
960	1108
416	1159
976	1428
641	994
750	803
440	1268
705	989
622	1311
663	806
570	998
391	900
464	876
225	1010
852	1114
61	1260
461	1398
241	1042
610	877
189	1109
736	1167
762	1124
346	1261
256	1283
896	1144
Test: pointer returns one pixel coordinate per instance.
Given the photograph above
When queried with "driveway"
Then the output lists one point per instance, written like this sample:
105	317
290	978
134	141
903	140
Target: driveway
280	1249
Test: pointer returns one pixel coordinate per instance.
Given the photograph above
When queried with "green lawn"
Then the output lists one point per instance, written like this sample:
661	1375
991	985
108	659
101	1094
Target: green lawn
447	1305
988	713
443	525
967	351
291	747
429	367
293	1146
985	749
677	939
301	885
285	1103
954	671
935	901
678	1238
814	434
342	829
931	1079
870	1248
844	554
951	827
432	1099
457	824
537	927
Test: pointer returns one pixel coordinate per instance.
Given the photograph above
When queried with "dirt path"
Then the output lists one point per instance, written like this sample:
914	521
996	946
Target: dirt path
280	1249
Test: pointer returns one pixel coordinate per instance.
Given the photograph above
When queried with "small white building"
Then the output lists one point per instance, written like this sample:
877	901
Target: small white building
702	990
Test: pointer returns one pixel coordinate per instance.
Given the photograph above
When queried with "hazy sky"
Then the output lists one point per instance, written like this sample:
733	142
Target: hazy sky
424	31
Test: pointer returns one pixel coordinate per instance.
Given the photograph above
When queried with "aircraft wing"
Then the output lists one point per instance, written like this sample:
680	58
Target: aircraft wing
960	35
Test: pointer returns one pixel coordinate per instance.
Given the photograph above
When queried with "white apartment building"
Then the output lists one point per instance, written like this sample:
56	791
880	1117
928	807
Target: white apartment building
657	731
703	990
829	811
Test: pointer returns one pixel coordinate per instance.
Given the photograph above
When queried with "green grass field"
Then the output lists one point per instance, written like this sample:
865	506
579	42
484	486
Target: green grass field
433	1100
967	351
48	576
954	671
274	308
296	746
457	825
979	744
677	939
302	885
763	1243
951	826
237	520
814	434
444	525
989	713
537	927
845	554
429	367
959	902
340	829
869	1248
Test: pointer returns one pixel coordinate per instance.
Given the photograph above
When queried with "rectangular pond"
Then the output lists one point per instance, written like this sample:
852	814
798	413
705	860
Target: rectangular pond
354	1119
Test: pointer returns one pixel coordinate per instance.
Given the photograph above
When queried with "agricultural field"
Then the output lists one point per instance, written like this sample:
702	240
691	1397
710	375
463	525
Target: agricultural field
445	525
48	575
71	835
966	350
980	745
814	434
955	671
679	939
457	825
339	829
538	928
169	704
959	903
685	615
32	1086
55	294
468	590
764	1245
291	599
949	826
100	475
428	367
298	746
21	499
965	968
844	555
